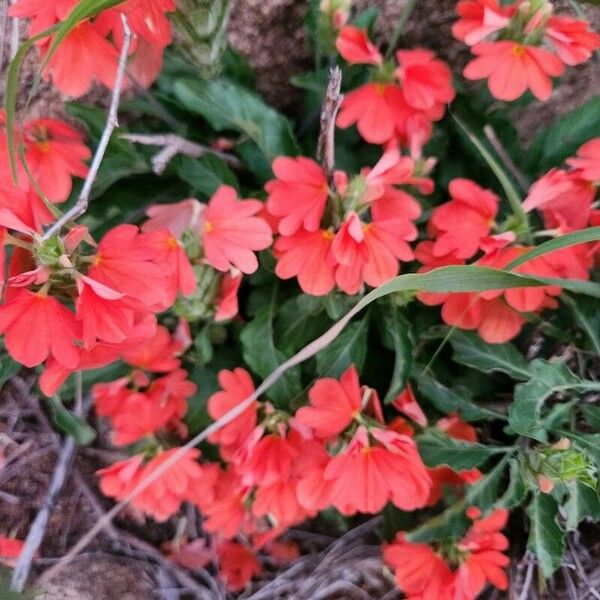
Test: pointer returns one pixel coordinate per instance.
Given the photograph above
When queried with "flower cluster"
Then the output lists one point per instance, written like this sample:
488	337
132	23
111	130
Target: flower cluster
347	232
90	52
457	570
403	98
522	45
465	228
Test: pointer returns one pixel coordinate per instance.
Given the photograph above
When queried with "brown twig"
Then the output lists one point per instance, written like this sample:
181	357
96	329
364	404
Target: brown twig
528	578
494	140
329	111
38	527
111	122
172	145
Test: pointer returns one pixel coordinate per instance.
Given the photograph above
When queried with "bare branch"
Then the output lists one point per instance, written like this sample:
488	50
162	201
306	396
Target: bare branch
174	144
331	106
490	134
111	122
38	528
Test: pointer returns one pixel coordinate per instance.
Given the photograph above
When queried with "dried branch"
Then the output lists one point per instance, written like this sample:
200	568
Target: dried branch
111	122
331	106
528	578
38	528
490	134
174	144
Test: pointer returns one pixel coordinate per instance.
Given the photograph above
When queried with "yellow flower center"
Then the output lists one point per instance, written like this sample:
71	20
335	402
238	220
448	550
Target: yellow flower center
518	50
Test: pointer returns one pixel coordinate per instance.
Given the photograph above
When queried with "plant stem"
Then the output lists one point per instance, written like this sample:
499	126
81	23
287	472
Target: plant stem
408	8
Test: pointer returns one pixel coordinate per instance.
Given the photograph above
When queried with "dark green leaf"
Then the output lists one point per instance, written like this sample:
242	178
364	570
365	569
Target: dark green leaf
591	412
71	424
484	493
8	368
524	415
228	106
517	489
590	442
583	503
449	401
395	334
205	174
350	347
562	139
472	351
587	316
263	357
436	448
546	538
299	321
451	524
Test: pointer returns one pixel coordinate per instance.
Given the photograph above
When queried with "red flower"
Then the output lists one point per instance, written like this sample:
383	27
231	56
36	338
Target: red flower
298	194
365	476
587	162
157	355
480	18
420	572
163	497
307	255
238	564
279	502
334	404
564	199
10	550
83	56
36	326
485	561
354	45
55	152
126	262
232	233
572	39
406	403
227	299
461	223
236	386
512	68
313	490
425	80
375	108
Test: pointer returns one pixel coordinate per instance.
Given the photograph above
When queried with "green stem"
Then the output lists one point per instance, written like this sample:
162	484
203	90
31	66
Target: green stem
408	8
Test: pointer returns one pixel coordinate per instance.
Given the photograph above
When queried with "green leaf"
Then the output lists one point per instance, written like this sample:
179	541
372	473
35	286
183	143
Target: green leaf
484	492
448	401
228	106
552	146
517	489
582	236
587	316
205	174
546	538
524	414
591	413
299	321
472	351
349	348
437	449
121	158
449	525
395	335
583	503
263	357
71	424
8	368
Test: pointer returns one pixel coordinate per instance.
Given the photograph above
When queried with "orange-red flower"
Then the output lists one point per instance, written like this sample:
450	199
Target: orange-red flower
236	386
587	161
334	404
354	45
232	233
227	299
480	18
238	564
512	68
157	355
298	194
572	39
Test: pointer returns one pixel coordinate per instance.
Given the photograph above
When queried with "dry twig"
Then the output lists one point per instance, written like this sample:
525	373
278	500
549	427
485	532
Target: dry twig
111	122
490	134
331	106
174	144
